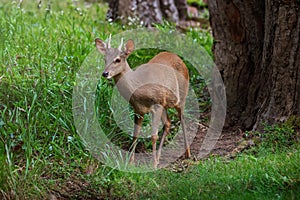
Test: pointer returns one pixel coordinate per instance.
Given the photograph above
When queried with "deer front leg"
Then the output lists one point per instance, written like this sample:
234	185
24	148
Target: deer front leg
156	116
138	120
167	125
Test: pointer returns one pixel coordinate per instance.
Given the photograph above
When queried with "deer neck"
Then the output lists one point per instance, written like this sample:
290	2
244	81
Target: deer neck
124	83
121	75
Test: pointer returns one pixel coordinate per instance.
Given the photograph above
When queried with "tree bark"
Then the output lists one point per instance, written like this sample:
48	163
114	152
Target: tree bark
257	52
182	9
147	12
112	13
169	10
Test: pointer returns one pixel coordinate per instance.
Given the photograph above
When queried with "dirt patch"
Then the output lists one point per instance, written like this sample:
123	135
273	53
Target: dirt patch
230	142
76	188
227	142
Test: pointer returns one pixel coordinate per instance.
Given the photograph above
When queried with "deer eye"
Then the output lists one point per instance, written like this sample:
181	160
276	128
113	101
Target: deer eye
117	60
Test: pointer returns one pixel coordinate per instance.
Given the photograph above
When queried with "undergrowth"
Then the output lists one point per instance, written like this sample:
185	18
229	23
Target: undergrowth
42	47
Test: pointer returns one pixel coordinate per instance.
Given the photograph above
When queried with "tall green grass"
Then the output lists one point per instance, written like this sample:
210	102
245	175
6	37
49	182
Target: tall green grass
41	49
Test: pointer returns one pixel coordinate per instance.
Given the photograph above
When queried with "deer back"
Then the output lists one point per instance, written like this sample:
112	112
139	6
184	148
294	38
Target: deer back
182	73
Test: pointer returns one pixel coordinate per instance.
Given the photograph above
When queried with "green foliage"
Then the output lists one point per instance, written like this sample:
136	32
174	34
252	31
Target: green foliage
294	121
204	39
278	136
267	177
275	138
41	49
198	2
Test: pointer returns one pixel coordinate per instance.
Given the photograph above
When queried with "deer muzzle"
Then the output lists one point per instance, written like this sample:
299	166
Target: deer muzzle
105	74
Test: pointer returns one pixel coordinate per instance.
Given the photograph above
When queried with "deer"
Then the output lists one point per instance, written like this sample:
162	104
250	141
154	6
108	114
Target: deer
153	87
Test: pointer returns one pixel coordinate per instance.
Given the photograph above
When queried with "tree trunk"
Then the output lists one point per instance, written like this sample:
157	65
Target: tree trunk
147	12
169	10
112	13
182	9
257	52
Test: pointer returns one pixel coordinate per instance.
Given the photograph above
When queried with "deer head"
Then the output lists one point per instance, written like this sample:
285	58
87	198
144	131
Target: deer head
115	58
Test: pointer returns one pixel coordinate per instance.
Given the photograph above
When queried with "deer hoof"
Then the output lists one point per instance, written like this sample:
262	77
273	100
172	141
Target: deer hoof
188	153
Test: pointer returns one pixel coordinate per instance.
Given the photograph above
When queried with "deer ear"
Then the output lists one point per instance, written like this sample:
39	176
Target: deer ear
129	47
100	45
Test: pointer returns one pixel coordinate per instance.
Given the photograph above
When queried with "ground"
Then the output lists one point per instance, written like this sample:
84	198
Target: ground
228	144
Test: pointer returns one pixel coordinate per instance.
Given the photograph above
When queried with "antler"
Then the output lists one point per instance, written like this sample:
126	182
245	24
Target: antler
109	40
121	45
109	45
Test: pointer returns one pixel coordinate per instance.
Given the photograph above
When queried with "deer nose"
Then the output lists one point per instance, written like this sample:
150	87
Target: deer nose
105	74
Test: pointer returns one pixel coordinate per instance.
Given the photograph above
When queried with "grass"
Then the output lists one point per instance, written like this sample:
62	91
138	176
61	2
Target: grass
42	155
216	178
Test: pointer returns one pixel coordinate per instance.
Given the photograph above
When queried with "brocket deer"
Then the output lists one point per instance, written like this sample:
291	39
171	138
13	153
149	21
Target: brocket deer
153	87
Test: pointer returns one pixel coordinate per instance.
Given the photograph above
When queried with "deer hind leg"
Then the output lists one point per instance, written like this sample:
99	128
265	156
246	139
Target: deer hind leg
156	111
138	120
167	125
182	122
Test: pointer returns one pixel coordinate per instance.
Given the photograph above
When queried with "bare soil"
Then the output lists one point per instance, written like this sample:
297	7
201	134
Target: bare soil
227	142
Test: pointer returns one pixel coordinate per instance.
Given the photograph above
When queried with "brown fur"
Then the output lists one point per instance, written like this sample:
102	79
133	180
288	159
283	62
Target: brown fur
154	87
172	60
